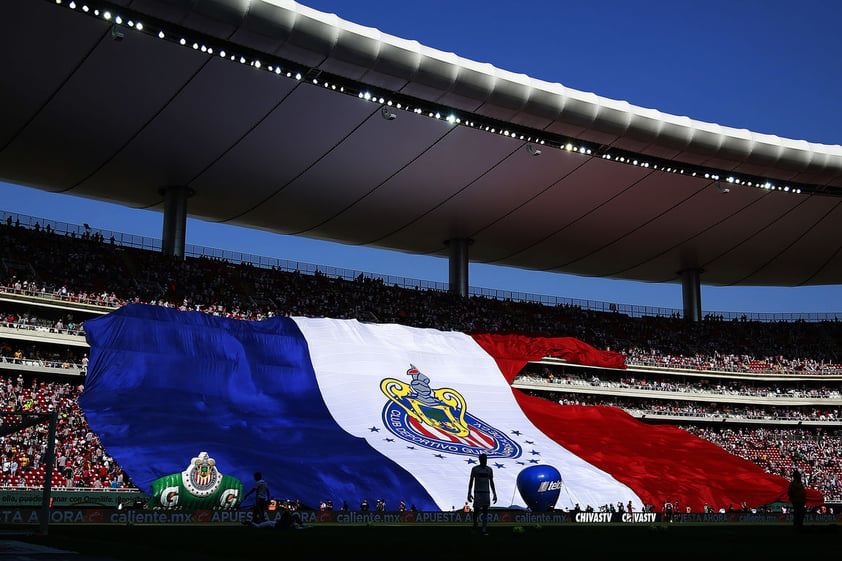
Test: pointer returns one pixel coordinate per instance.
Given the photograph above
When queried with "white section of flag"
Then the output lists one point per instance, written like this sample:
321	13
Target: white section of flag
352	358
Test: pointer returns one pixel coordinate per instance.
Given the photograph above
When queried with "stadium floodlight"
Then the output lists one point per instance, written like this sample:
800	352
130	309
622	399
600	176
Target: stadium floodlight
116	33
387	113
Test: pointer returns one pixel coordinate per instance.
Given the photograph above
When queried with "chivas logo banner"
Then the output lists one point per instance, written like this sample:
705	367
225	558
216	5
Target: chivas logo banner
200	486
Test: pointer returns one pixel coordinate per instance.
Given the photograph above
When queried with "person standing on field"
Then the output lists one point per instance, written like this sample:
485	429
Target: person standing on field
481	491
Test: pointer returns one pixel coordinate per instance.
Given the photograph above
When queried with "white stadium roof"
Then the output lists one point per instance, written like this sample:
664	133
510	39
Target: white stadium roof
286	119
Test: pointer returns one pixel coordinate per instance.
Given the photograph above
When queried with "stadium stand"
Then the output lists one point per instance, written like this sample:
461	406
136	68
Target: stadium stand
766	391
80	459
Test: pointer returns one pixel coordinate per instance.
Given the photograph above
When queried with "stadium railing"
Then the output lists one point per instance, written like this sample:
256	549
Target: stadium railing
236	257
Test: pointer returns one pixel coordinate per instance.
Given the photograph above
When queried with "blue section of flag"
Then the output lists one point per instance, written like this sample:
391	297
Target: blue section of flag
164	385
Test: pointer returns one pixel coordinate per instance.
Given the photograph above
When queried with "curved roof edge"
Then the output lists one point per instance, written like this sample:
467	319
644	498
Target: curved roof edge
328	43
337	37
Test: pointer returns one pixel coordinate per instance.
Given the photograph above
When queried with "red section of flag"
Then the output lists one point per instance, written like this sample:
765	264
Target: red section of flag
659	462
513	351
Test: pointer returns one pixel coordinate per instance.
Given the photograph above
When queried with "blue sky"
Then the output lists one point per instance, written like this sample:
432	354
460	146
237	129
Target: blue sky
769	66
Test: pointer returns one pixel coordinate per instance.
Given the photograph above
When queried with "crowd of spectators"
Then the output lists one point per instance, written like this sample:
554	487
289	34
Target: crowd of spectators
29	352
731	363
815	453
20	351
679	408
30	321
91	270
15	352
725	387
80	460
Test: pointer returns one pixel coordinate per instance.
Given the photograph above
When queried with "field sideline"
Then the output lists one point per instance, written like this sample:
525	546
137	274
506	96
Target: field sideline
232	543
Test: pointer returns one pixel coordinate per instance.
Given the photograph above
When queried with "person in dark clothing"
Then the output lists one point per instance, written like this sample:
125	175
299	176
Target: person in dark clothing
798	497
261	497
481	491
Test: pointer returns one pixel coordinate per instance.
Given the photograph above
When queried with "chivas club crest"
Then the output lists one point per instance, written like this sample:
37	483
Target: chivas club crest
200	486
201	478
438	419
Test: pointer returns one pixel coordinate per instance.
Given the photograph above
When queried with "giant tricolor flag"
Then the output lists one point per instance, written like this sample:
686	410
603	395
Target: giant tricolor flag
344	410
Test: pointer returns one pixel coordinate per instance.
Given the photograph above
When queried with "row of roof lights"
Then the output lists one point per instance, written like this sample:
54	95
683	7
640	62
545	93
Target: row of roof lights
447	115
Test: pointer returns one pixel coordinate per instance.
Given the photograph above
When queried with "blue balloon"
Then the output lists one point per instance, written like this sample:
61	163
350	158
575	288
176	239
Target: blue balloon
539	486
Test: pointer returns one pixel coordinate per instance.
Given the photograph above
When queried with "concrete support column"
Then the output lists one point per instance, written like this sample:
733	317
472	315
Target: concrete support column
691	291
458	280
175	220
